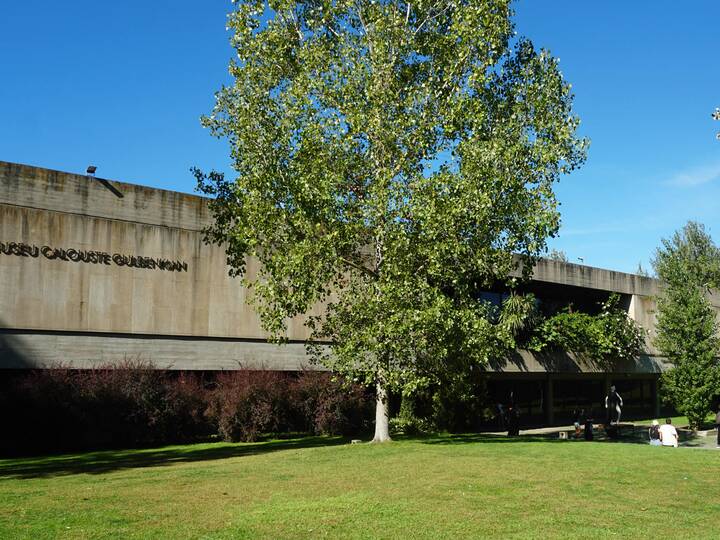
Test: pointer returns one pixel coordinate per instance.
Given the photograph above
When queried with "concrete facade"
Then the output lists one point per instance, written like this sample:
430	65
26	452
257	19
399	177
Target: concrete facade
82	279
95	271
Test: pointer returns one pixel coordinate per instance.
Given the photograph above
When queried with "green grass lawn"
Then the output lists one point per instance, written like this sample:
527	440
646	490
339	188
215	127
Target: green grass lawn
676	420
442	487
679	421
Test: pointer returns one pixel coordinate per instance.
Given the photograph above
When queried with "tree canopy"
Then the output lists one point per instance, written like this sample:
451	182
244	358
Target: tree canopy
687	328
393	159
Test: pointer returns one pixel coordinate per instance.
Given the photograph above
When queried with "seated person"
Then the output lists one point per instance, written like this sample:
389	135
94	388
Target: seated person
668	434
654	433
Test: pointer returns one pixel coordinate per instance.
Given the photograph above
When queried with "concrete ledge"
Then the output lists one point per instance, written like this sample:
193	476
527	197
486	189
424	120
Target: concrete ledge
524	361
579	275
20	350
46	189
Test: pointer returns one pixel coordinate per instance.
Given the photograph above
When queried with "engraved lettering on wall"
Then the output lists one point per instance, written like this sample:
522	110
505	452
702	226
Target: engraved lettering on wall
20	249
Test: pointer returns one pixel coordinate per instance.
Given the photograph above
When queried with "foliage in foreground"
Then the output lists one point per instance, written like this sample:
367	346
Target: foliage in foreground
131	404
393	159
687	328
460	404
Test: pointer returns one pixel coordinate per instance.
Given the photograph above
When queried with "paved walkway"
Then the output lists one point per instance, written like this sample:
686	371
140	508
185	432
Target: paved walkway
629	433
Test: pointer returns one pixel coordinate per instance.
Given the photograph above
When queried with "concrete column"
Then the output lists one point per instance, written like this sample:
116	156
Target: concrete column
549	401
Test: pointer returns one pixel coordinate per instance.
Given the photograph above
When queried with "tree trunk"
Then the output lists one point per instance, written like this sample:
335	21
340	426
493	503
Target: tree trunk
382	428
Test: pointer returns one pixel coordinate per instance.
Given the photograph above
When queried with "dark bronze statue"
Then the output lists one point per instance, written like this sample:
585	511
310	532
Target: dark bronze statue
613	404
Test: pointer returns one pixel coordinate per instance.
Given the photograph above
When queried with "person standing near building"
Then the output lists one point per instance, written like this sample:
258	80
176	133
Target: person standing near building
668	434
513	421
589	428
501	419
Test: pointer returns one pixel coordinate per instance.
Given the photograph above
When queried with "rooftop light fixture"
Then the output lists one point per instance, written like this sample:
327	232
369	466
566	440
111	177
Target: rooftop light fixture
91	170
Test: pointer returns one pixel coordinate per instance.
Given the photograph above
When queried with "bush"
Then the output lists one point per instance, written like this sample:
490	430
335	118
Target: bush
602	339
329	406
131	404
458	405
41	410
124	405
187	402
246	404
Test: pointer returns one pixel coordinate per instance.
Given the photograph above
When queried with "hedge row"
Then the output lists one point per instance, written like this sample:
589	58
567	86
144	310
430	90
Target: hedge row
131	404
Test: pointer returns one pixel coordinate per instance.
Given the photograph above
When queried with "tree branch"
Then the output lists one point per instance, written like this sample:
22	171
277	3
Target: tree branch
433	17
363	269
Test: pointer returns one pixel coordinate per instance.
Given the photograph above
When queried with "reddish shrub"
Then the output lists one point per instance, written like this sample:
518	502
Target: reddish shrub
41	411
330	406
247	403
125	405
131	404
187	401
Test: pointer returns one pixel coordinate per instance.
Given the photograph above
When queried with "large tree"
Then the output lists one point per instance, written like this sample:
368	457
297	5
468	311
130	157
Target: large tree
687	328
393	159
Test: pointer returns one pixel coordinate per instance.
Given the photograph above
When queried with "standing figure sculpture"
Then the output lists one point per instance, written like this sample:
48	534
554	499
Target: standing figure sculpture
613	404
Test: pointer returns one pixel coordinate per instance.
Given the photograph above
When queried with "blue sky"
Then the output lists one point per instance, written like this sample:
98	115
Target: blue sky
122	85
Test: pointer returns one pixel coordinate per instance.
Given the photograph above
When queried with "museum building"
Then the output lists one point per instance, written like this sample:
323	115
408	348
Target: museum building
94	271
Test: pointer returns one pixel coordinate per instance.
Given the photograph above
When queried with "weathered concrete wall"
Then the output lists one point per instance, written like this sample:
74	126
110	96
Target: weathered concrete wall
594	278
35	187
197	317
40	293
82	299
523	361
21	349
53	294
643	310
25	350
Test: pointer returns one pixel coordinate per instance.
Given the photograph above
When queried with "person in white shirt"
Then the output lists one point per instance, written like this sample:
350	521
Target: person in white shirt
668	434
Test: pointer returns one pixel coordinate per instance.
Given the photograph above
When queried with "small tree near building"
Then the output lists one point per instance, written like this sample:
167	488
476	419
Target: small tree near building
687	328
393	159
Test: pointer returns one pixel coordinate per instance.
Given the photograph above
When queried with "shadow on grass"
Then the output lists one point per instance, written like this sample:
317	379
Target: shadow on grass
104	461
468	438
114	460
